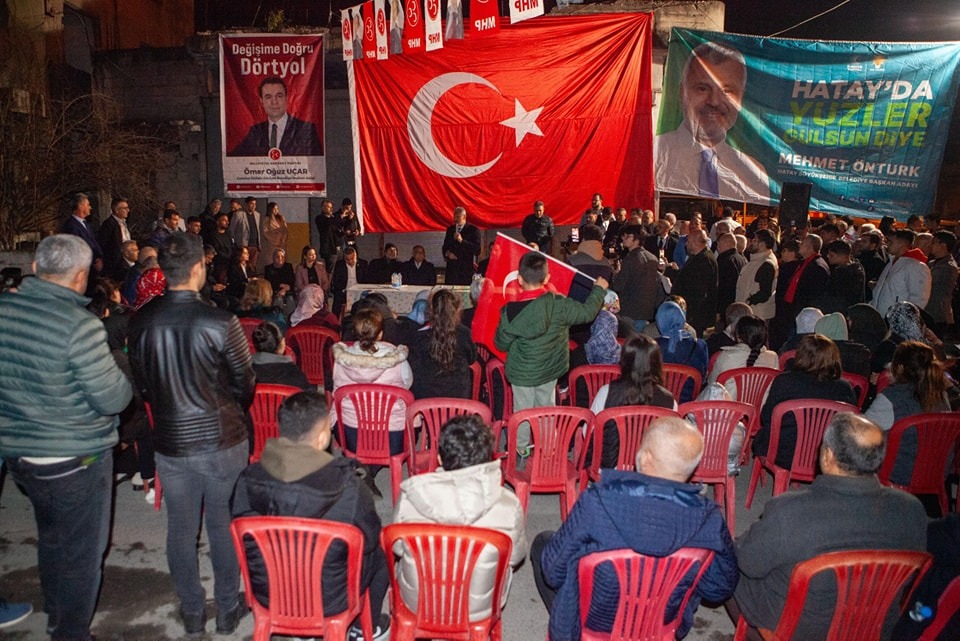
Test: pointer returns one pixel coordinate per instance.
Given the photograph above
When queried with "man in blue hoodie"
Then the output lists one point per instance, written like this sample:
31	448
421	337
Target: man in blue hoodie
654	512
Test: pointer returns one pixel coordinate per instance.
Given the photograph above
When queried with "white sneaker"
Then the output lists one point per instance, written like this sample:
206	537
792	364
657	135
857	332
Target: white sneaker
381	630
150	496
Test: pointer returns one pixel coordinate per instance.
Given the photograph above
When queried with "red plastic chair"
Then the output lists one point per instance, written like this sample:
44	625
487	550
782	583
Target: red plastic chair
266	401
937	436
812	417
433	414
373	405
752	384
867	583
312	346
860	385
293	550
476	380
947	606
593	376
647	584
631	421
786	357
496	371
555	432
445	557
713	361
675	376
884	380
248	325
716	421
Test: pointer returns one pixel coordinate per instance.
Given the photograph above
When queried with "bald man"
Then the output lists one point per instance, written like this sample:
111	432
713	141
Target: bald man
845	508
654	511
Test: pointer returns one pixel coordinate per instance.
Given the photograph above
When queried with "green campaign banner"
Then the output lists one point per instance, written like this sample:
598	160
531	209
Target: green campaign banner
864	123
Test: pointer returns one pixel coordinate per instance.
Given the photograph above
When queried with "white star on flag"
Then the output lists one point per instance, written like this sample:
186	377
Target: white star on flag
523	122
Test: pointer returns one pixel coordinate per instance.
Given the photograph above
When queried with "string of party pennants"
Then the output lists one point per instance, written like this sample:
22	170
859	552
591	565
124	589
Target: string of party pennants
415	25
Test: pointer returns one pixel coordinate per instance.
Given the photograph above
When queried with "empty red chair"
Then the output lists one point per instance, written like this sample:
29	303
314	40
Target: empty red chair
373	405
937	435
445	557
752	384
555	433
647	584
293	551
593	377
867	583
947	606
812	417
496	380
716	421
263	411
312	345
675	376
631	421
860	385
429	415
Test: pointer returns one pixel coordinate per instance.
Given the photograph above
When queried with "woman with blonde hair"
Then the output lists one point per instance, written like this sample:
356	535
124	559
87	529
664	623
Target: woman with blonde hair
311	271
257	302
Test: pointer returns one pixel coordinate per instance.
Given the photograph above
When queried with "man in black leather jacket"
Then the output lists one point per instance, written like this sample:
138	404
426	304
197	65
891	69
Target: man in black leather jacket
192	365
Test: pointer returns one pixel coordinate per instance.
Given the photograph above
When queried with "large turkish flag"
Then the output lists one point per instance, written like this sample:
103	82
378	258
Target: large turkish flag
551	109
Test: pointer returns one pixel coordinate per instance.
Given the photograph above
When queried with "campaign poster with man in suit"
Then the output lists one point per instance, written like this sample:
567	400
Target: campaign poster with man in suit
271	110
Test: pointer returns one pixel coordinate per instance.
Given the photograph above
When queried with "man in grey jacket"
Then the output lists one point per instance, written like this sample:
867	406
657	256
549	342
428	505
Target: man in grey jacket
60	392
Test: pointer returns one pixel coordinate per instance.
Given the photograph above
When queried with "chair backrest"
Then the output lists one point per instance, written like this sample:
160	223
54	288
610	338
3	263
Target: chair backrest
555	432
312	346
947	606
676	376
752	384
647	585
293	551
713	361
445	557
716	421
373	405
594	377
937	436
476	380
496	380
786	357
248	325
631	421
433	414
884	380
860	385
867	583
266	401
812	416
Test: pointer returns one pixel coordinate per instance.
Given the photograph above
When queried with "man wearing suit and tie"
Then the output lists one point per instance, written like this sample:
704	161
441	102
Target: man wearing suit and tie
661	241
113	233
77	225
348	272
294	137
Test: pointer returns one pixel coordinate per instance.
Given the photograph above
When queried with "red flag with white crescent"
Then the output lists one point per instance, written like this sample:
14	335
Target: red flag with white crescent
500	286
484	16
346	30
369	35
413	33
553	109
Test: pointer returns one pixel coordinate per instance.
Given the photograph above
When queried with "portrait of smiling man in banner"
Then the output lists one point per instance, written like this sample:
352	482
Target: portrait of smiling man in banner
292	136
696	158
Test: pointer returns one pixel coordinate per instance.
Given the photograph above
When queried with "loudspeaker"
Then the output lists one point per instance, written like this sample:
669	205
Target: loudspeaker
795	205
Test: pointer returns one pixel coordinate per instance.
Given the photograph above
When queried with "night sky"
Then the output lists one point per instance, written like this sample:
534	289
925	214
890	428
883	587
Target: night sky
868	20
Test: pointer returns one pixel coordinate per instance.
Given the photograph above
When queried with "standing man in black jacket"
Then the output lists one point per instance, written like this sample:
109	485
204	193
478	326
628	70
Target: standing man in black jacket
460	245
192	364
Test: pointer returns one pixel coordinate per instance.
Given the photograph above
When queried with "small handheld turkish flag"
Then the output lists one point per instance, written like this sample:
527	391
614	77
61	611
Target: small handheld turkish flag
500	286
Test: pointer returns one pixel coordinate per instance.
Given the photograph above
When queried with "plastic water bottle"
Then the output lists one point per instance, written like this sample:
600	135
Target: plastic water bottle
920	612
396	280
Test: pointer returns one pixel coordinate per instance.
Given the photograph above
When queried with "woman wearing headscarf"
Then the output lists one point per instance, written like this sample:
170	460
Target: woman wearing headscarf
854	357
805	323
906	324
311	310
678	346
602	347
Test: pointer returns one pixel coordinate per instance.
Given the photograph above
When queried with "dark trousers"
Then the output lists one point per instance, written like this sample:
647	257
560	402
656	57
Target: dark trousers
194	486
547	594
71	502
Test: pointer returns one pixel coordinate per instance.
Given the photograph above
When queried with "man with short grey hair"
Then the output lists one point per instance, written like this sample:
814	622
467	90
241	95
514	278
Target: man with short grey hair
60	393
654	511
845	508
